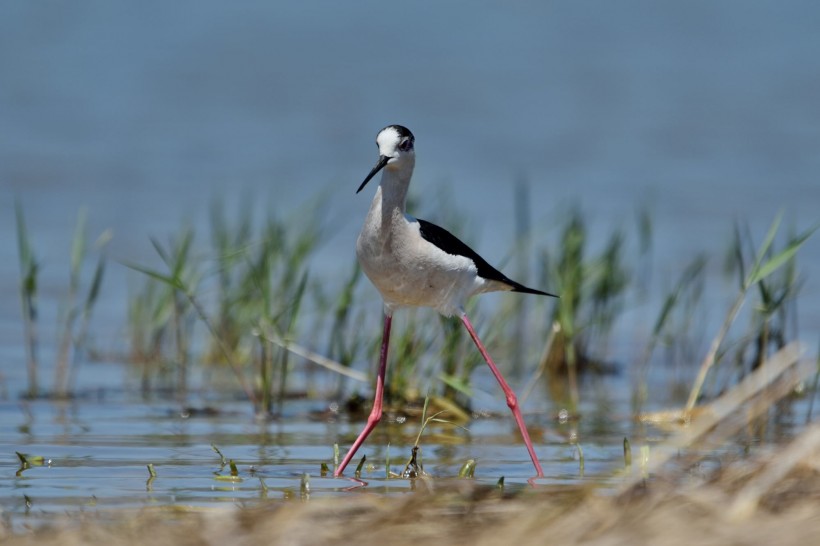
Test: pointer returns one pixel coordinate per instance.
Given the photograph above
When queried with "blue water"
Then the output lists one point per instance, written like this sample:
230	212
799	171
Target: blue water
145	112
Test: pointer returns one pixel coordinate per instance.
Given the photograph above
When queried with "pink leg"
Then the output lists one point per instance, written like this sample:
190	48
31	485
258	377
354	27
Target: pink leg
376	412
512	401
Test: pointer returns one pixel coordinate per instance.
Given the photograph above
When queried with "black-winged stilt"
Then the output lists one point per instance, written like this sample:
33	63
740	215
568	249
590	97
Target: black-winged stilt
415	263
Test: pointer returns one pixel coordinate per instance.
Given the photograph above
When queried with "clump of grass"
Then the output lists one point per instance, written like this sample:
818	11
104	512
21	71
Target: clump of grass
145	328
261	281
765	263
163	314
177	259
776	302
72	334
591	290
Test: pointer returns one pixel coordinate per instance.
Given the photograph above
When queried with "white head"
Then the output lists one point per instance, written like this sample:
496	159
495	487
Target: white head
396	150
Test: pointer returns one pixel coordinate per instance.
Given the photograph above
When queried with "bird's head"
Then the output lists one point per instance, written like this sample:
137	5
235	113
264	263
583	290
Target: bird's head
396	150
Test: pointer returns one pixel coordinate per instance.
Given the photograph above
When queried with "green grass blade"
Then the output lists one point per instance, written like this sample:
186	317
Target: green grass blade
359	467
181	253
23	244
627	453
580	460
160	250
467	470
764	247
222	459
297	303
690	274
737	256
457	384
174	282
78	247
96	282
764	270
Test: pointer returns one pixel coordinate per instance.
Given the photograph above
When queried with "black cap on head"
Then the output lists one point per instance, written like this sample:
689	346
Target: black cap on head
403	131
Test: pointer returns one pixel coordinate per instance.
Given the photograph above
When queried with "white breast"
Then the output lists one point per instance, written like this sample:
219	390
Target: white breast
410	271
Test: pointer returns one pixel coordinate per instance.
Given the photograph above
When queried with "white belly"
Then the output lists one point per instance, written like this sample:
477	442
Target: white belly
409	271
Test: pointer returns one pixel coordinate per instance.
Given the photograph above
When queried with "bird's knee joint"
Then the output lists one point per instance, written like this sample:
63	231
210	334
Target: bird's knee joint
375	416
512	401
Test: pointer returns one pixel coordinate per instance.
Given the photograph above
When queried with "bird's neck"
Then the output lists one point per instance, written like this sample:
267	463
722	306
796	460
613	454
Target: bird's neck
392	192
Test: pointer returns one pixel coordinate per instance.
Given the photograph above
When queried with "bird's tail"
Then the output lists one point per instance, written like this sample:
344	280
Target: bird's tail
518	287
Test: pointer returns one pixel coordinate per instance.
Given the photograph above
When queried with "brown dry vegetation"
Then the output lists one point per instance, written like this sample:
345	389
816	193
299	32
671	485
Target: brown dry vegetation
461	513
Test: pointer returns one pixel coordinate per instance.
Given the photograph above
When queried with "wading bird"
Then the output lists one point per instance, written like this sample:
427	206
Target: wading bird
414	263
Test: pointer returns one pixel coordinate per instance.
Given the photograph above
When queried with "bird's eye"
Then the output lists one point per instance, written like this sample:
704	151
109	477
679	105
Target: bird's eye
406	145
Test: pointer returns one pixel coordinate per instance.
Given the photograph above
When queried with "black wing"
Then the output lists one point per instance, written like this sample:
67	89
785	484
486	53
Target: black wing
451	244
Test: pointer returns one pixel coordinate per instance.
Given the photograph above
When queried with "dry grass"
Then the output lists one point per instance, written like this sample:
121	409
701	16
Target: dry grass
461	513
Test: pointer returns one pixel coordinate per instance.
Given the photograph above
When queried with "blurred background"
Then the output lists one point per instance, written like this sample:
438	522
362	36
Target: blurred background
702	113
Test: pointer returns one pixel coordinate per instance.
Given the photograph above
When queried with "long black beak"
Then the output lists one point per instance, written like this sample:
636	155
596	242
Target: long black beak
379	166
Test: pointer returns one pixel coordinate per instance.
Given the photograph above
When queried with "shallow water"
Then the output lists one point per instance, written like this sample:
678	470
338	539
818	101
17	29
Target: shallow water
96	449
101	462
